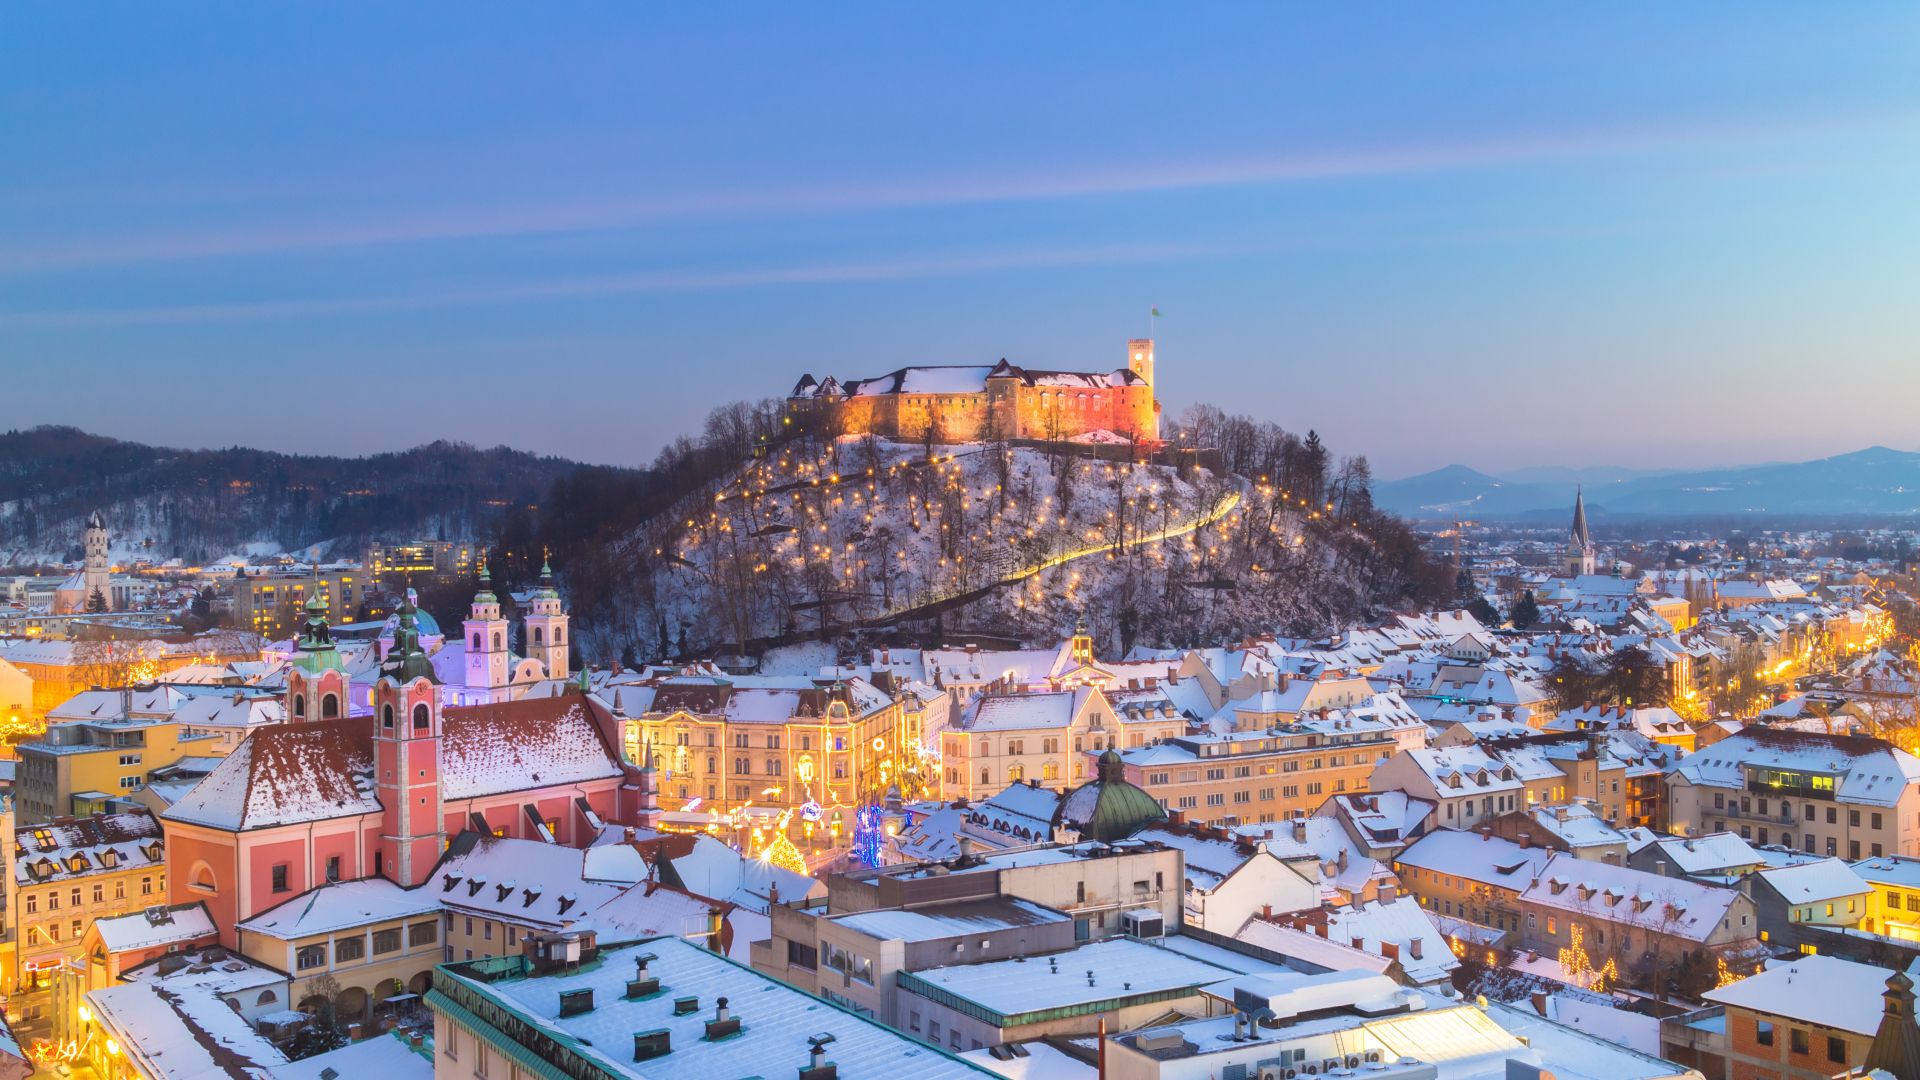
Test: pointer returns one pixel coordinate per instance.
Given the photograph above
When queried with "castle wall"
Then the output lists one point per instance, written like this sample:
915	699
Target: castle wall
1007	409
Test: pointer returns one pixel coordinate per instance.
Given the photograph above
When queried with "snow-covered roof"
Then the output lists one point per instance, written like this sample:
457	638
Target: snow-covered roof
956	919
67	849
1814	882
1866	771
1479	857
1597	890
1122	968
1714	853
776	1020
156	927
342	905
390	1057
1823	990
1021	712
285	774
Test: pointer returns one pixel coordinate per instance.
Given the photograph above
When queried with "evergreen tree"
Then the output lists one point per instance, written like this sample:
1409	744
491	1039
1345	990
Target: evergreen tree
1527	612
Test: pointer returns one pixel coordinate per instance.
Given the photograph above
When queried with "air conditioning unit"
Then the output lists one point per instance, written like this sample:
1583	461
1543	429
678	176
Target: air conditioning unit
1272	1072
1144	923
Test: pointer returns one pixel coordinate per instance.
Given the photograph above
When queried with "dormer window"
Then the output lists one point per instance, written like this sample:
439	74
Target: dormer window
44	838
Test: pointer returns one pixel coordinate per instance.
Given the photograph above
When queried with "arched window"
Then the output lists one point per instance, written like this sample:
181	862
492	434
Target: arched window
300	706
329	707
201	878
420	717
386	717
1050	771
267	997
1016	773
476	641
559	635
496	640
536	636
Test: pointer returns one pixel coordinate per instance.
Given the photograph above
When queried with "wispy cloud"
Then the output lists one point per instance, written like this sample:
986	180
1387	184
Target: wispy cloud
537	216
653	281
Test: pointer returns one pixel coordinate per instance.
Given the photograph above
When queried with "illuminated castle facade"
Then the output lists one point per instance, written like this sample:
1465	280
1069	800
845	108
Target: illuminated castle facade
980	403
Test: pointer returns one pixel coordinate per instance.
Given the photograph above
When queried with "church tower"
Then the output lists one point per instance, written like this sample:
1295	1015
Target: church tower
317	677
488	665
97	572
545	627
406	760
1580	553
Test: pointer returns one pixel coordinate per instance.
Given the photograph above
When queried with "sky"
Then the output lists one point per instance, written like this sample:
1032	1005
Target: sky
1504	235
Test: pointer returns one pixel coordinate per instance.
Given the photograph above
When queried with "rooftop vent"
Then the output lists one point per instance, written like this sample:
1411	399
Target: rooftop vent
686	1006
641	985
723	1024
575	1002
818	1067
648	1045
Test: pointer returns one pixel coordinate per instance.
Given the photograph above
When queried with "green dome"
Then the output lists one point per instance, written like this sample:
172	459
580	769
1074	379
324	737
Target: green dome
1108	808
314	651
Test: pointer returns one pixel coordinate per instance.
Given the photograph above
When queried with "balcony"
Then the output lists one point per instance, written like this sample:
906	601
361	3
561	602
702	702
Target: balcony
1732	812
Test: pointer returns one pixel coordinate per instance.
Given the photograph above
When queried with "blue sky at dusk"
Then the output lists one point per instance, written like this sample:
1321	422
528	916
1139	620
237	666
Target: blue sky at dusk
1496	234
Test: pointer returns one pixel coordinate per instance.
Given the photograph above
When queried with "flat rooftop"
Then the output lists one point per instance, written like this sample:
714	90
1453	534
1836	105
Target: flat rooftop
1113	970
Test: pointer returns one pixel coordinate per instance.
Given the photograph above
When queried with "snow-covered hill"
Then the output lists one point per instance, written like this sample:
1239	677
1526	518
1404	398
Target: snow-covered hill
980	538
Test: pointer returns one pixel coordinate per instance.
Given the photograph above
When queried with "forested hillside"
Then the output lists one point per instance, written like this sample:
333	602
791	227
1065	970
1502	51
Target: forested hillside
742	538
199	505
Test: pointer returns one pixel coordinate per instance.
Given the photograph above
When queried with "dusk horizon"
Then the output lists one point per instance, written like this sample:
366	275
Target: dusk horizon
631	219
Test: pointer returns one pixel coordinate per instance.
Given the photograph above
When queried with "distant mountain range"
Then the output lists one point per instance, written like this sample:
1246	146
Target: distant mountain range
1876	480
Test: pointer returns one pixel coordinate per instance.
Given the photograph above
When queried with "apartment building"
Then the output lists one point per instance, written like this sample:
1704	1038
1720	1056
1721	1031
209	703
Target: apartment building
88	766
273	604
67	873
1843	795
1272	770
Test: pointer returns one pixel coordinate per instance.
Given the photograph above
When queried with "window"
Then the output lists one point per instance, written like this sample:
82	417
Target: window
1797	1040
310	957
99	892
1763	1033
33	903
420	717
386	941
333	868
1836	1049
280	877
346	949
426	933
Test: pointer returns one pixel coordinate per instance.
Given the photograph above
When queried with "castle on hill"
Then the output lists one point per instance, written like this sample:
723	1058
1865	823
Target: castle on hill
976	403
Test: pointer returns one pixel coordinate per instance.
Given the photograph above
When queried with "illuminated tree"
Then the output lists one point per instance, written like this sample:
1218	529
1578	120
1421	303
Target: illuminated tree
780	852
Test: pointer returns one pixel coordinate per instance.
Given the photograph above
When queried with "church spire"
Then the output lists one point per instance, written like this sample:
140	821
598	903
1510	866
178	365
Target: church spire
1581	538
1896	1045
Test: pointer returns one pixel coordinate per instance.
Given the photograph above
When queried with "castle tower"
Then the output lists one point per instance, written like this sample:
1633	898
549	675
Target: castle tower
406	760
317	677
1580	553
97	572
487	660
1140	359
545	626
